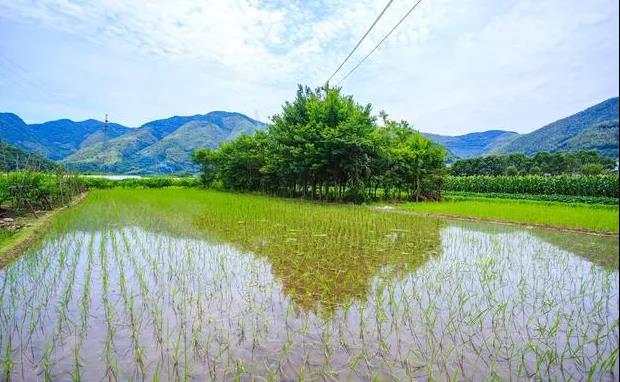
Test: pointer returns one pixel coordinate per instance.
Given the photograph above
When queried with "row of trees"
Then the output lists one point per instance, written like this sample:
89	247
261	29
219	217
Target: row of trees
325	145
559	163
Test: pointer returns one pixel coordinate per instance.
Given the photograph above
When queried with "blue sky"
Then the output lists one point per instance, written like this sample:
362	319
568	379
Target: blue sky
453	66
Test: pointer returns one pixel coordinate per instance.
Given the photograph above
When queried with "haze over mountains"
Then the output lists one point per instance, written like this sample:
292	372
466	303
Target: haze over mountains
165	146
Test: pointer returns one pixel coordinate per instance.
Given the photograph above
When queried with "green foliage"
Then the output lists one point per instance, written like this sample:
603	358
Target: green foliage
324	145
146	182
207	158
592	169
32	191
13	158
580	162
512	171
599	186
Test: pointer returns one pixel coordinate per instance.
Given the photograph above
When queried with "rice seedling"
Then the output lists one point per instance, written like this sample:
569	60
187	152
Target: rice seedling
191	284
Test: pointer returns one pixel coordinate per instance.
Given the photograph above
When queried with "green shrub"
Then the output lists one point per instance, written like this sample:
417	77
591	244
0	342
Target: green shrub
2	188
147	182
31	191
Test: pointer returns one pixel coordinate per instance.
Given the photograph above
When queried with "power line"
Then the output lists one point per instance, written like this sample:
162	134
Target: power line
360	41
380	42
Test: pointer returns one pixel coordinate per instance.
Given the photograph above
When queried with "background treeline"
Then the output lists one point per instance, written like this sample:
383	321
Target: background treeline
146	182
589	186
558	163
29	191
29	182
325	145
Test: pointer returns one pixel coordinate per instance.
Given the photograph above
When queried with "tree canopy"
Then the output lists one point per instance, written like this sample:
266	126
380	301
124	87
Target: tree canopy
558	163
325	145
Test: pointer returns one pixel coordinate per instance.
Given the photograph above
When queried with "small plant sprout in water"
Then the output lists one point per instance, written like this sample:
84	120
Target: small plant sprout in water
180	284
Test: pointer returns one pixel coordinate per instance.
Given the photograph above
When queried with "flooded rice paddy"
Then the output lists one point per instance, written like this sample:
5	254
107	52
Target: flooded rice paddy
189	284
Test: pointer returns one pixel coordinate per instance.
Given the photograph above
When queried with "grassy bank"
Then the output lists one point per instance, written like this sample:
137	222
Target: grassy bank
599	218
13	243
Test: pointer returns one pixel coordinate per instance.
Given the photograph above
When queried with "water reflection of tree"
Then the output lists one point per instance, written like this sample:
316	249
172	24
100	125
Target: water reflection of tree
328	257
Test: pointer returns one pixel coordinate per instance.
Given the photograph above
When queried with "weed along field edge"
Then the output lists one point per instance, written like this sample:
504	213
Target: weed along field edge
182	283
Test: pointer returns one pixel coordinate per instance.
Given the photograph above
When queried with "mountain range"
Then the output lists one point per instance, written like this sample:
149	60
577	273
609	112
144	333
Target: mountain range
595	128
161	146
165	145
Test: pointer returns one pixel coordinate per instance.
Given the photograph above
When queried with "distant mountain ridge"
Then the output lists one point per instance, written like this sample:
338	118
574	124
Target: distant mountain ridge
595	128
165	145
473	144
161	146
55	139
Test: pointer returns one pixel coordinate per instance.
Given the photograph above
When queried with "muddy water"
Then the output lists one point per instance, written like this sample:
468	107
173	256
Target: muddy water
120	301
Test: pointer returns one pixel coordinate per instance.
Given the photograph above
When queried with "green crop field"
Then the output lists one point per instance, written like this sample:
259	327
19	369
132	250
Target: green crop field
169	284
556	214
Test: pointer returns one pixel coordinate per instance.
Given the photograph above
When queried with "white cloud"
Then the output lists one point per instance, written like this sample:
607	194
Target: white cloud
450	67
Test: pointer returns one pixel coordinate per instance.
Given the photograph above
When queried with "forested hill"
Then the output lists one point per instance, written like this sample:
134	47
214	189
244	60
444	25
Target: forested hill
14	158
161	146
595	128
55	139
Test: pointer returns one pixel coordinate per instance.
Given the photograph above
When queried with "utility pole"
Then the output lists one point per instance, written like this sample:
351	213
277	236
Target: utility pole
105	131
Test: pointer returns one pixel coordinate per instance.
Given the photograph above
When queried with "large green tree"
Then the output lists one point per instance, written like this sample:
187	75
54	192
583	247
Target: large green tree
325	145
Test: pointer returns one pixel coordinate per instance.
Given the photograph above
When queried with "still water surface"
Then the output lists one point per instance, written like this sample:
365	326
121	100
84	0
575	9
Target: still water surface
116	301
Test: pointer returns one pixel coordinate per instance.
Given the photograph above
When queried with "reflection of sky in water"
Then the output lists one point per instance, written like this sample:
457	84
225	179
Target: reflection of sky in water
493	303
